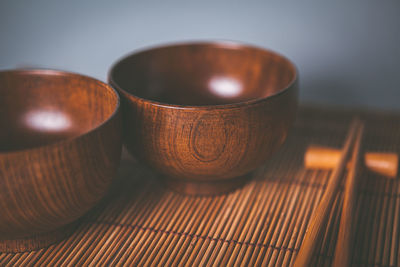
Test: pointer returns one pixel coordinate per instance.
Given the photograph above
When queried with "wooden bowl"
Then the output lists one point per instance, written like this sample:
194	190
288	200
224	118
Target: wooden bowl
205	114
60	145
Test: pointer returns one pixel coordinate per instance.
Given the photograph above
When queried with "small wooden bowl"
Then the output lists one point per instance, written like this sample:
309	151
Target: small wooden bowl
60	146
205	114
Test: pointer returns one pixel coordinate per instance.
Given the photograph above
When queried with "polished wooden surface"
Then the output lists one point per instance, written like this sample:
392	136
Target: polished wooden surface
60	145
383	163
204	114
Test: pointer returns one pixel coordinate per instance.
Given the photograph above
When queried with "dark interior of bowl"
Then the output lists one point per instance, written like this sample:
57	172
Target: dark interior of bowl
203	74
41	107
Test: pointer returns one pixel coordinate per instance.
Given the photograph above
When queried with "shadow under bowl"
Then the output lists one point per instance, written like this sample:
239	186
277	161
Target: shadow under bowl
60	146
205	114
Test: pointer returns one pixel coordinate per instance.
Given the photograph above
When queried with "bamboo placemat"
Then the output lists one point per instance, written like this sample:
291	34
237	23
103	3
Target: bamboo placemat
263	223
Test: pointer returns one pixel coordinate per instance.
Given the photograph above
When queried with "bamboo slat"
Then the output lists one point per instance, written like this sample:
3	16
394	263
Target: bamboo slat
263	223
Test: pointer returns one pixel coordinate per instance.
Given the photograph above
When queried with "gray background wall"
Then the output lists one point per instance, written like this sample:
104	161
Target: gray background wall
348	52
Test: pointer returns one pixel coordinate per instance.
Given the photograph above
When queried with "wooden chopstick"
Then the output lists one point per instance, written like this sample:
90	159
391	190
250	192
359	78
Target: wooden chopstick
319	217
344	243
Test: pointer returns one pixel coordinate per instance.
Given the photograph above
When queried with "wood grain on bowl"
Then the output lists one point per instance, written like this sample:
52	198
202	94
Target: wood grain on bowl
205	114
60	146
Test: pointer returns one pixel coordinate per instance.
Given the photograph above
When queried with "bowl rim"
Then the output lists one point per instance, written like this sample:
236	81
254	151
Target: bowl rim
55	72
213	43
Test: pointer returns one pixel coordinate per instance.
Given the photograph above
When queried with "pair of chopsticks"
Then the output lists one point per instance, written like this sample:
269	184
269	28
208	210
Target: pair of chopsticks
319	219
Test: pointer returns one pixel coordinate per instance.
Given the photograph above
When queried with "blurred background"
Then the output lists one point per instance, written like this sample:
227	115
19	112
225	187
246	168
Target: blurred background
347	52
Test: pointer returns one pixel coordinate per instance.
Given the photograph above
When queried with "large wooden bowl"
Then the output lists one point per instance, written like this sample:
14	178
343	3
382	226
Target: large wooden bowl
60	145
205	114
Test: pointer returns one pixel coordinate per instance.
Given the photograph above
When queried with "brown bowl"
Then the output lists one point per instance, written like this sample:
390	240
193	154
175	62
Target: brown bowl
60	145
205	114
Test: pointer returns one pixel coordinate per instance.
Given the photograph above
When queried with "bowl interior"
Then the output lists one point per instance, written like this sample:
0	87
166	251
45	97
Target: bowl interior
203	74
41	107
